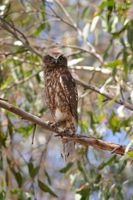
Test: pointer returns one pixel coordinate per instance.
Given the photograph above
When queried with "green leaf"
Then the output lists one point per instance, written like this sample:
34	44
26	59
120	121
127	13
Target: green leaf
130	144
101	99
82	170
10	126
66	168
130	153
125	61
85	12
19	192
2	195
6	83
104	4
16	173
28	196
115	122
38	78
7	177
18	177
32	170
42	11
25	130
1	160
84	192
46	188
114	63
84	125
48	177
130	35
2	138
107	163
39	29
92	119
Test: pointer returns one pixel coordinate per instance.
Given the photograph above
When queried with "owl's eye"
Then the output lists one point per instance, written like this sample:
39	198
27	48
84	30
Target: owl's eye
62	59
47	58
51	60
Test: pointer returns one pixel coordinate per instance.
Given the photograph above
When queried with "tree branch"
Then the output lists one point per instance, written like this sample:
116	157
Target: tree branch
18	35
21	81
86	86
25	115
98	143
84	140
106	95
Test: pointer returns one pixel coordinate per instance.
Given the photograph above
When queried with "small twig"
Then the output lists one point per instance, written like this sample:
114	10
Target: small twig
60	18
72	23
33	134
18	35
90	51
21	81
121	91
3	99
43	156
92	69
106	95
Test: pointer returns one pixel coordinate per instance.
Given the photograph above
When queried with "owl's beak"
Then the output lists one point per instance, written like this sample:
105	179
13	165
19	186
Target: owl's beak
56	56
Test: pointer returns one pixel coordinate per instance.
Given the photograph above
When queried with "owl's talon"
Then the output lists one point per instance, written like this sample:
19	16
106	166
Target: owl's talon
53	125
49	123
66	131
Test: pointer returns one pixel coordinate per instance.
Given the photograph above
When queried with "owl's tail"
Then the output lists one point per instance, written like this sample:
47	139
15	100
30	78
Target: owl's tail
69	146
68	151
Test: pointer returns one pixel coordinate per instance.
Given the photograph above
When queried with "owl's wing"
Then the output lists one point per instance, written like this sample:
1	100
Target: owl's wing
70	91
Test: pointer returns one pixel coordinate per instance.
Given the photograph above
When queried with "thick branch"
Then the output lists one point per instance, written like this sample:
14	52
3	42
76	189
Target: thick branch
84	140
98	143
24	115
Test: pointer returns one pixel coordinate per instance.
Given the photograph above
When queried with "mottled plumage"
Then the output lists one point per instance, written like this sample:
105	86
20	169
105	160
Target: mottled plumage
61	96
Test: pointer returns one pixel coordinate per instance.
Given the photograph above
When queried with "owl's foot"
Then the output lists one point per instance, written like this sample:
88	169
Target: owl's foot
63	133
69	132
66	131
53	125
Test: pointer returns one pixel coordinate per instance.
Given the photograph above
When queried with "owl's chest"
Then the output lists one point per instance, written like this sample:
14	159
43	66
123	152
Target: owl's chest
54	93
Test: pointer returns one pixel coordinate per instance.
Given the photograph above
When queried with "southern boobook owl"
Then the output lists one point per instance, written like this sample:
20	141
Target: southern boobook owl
61	97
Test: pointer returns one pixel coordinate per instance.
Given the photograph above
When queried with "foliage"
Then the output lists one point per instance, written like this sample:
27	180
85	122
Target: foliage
97	38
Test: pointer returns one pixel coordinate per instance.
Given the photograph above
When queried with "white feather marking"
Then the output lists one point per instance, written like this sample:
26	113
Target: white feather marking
61	82
59	116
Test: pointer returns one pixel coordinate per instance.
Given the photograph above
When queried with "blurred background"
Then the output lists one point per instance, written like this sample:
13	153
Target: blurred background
97	38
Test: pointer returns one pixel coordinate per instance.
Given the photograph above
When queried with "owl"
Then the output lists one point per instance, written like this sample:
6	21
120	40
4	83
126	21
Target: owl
61	97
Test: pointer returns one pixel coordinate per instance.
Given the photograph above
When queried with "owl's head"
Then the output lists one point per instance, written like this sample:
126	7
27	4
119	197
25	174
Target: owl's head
52	62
